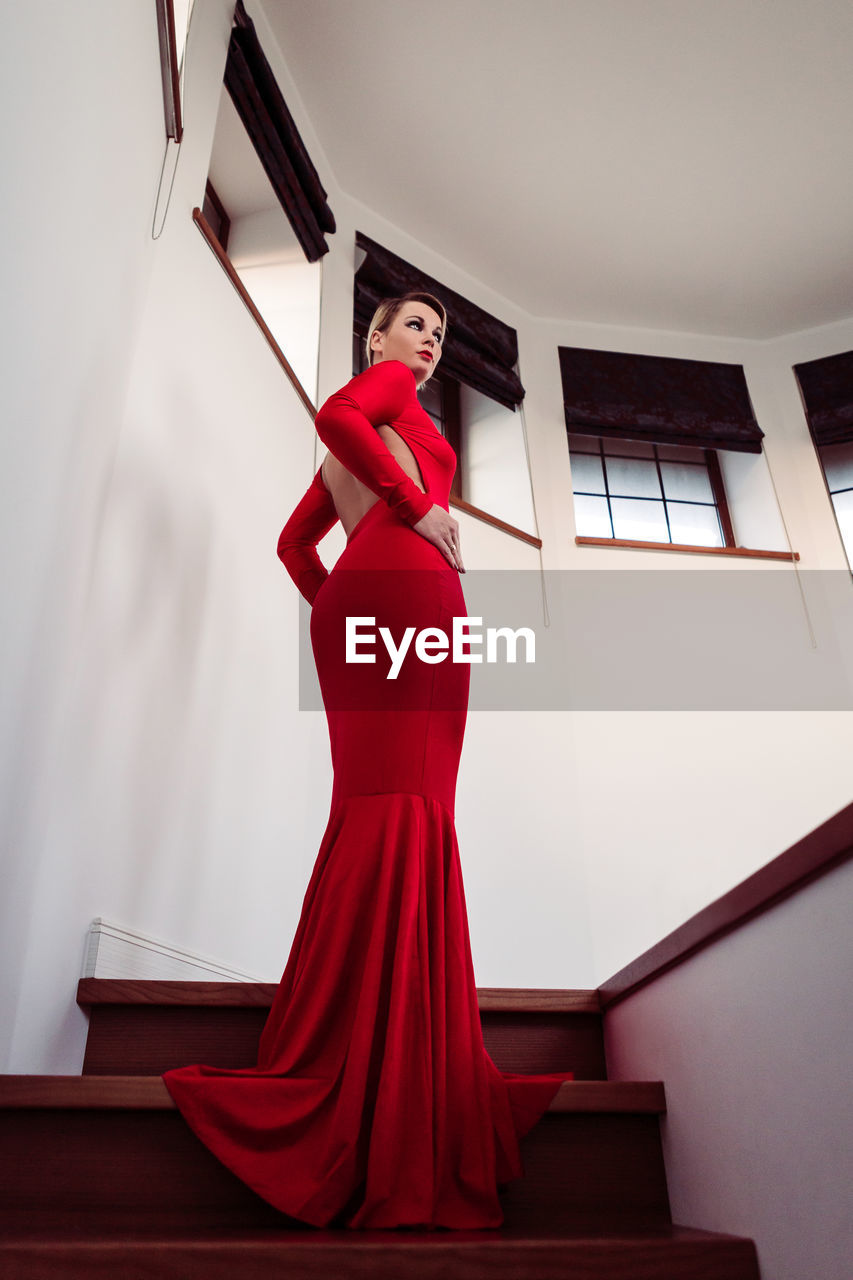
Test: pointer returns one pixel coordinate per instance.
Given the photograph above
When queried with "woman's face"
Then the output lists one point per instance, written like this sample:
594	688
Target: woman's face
414	337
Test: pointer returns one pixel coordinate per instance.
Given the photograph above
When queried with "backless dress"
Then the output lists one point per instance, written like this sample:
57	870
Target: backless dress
373	1102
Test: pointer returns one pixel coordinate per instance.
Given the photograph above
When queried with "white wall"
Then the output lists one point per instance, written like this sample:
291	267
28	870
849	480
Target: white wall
80	82
752	1037
705	798
179	791
156	769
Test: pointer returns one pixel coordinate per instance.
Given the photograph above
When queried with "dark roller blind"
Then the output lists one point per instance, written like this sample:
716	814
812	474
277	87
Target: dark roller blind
827	387
659	399
255	93
481	350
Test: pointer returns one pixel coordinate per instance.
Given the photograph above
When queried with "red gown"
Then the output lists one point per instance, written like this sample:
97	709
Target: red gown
374	1102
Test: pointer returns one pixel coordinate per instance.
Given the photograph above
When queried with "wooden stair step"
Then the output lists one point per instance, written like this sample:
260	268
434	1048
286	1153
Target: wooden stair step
135	991
145	1028
149	1093
674	1253
82	1152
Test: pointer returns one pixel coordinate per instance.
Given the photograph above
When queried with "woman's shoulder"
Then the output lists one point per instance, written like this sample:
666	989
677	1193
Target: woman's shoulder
390	375
382	392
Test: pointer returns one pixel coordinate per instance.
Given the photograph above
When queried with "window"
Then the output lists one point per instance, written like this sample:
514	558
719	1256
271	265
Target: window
636	491
473	397
439	396
262	245
486	438
837	461
173	20
265	212
651	439
826	386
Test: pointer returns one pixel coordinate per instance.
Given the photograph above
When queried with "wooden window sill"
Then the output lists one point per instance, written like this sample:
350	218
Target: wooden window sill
493	520
684	546
229	269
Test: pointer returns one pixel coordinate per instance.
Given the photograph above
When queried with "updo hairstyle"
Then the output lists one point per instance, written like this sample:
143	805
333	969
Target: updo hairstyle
388	308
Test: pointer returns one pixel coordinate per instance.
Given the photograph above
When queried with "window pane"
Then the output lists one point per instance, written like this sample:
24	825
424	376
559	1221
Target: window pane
587	474
495	474
359	357
633	479
263	247
635	448
591	517
697	526
843	503
681	453
637	519
583	444
182	10
837	462
432	399
287	294
689	483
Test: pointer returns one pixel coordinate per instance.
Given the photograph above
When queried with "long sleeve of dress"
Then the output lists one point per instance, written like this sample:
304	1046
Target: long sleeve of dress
311	520
347	426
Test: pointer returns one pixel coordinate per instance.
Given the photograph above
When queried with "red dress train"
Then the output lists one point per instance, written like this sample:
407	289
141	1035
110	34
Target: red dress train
374	1102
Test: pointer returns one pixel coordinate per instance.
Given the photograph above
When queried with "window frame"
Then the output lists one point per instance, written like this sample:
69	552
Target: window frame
273	136
169	70
819	448
715	478
453	433
231	271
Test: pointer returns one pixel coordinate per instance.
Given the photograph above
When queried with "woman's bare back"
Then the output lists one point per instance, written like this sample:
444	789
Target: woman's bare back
353	499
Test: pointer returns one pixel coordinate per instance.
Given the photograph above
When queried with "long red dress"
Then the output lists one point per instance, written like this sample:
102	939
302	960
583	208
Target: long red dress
374	1102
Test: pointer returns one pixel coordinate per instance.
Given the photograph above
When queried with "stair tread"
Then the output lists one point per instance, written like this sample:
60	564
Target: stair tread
93	991
150	1093
405	1238
674	1253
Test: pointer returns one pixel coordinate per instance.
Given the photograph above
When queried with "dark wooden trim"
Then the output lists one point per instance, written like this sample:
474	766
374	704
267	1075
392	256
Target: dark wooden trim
97	991
107	1093
715	476
229	269
683	546
224	231
536	1000
827	847
149	1093
612	1246
493	520
257	97
169	69
645	1096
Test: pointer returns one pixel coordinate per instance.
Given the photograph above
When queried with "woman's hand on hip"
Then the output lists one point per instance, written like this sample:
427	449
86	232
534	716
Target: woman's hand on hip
440	528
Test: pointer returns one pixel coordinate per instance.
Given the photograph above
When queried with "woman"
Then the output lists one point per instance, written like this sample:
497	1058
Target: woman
374	1103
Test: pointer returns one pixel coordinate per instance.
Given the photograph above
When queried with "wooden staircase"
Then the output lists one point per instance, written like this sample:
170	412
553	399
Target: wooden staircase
100	1176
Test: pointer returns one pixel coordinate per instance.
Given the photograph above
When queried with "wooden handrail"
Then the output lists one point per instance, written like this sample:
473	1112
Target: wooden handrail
97	991
823	849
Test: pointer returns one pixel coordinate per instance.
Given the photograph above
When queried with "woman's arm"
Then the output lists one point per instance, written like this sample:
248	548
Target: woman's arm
347	425
311	520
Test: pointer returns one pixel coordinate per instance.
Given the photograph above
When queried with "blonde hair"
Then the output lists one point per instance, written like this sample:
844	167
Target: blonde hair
388	308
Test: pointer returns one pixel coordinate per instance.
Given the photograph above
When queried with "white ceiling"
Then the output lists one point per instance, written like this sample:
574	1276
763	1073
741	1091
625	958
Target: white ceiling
674	164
